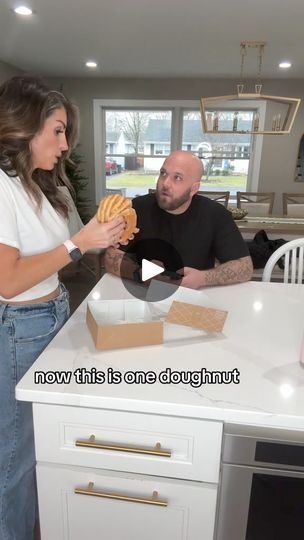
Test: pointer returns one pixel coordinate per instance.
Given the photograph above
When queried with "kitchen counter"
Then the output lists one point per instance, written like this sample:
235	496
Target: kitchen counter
261	339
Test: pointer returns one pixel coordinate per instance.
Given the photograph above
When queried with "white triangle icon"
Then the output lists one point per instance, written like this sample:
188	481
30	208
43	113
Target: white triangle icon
150	270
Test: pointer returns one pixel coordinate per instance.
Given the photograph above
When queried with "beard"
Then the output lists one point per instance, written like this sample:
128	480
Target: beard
172	203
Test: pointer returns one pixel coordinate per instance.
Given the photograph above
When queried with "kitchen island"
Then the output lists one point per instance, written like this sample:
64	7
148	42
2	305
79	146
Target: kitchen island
143	460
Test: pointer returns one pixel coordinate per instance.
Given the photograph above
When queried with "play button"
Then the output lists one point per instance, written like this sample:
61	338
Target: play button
149	270
157	267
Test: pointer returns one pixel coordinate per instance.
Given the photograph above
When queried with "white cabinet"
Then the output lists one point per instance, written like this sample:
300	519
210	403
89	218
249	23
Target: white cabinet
193	445
124	475
189	514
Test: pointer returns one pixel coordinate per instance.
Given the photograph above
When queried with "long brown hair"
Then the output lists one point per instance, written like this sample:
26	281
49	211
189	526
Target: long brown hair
25	104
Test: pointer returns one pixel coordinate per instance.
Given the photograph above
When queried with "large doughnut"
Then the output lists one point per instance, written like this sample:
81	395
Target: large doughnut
130	217
116	205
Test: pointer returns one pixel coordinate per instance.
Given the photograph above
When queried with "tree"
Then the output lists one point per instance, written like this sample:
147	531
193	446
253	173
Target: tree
133	126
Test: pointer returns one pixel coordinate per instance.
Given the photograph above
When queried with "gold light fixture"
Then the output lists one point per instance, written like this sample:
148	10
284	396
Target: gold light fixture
280	112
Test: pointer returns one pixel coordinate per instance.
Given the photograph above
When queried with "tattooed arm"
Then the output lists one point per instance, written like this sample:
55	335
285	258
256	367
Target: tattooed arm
227	273
114	264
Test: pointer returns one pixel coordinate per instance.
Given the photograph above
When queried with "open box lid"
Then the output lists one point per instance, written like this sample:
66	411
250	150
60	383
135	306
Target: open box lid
189	307
196	316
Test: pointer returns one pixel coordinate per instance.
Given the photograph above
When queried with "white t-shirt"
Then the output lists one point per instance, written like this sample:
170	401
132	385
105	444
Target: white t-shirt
29	230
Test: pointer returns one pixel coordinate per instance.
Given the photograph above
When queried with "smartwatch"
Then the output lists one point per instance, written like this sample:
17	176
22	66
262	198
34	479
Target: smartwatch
72	250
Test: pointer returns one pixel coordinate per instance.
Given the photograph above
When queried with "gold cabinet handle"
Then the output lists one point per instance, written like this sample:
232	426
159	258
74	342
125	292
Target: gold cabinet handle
156	451
90	491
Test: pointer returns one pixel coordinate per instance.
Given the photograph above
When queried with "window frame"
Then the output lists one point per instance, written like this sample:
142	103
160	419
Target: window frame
177	108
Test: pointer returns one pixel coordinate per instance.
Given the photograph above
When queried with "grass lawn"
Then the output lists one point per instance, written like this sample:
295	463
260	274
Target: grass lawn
131	180
126	180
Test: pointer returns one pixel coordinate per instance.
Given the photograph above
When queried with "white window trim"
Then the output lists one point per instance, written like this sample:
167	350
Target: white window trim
176	107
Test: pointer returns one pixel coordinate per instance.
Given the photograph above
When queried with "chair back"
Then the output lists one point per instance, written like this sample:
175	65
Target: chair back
221	197
255	203
151	190
293	253
293	205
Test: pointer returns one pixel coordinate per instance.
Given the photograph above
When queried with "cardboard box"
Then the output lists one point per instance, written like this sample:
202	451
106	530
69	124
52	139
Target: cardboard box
117	324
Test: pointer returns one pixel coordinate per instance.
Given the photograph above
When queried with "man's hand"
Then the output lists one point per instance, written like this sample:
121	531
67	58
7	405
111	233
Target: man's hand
236	271
193	278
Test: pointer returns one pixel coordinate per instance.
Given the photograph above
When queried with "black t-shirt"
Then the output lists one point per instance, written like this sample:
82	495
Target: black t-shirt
204	232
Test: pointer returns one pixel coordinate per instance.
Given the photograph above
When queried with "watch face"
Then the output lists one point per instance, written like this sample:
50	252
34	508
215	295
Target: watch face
75	254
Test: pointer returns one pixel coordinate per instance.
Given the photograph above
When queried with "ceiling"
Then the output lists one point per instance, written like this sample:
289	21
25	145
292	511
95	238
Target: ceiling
152	38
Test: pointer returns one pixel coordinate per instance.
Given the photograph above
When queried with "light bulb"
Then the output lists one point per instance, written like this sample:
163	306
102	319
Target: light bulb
284	65
91	64
23	10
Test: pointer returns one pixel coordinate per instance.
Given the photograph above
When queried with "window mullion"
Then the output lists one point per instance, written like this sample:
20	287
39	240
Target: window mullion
177	128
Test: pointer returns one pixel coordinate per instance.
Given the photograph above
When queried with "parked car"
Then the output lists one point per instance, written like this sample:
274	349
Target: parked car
111	167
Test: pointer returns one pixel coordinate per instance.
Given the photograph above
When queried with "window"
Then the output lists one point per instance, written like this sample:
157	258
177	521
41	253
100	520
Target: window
162	149
225	156
132	139
136	141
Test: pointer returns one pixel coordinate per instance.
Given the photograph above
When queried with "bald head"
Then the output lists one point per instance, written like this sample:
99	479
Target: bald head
178	181
188	162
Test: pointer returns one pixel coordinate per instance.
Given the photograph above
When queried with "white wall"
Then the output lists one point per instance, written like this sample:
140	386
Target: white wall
7	71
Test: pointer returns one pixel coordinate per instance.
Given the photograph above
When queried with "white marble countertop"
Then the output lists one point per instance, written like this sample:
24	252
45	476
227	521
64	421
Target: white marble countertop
262	338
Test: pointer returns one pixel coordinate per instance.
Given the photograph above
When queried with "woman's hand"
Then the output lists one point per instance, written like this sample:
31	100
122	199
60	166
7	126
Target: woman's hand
99	235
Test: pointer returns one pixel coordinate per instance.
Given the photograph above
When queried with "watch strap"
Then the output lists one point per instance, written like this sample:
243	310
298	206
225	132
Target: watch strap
69	245
72	250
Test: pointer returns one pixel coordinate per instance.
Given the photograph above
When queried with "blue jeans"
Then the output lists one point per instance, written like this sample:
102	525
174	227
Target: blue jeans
25	331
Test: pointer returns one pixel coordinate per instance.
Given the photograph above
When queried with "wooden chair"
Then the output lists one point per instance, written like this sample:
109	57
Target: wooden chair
75	224
221	197
293	266
293	205
255	203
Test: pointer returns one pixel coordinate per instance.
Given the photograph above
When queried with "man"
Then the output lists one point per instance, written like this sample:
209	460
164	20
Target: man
201	230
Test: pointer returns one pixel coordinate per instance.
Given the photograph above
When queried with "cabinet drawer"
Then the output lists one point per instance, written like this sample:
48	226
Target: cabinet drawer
116	506
127	441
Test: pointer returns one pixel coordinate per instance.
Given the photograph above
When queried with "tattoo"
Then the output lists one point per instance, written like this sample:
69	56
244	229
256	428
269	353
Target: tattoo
119	263
113	258
236	271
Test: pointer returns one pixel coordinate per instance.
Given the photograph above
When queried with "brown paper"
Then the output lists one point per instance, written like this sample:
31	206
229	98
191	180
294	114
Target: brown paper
209	319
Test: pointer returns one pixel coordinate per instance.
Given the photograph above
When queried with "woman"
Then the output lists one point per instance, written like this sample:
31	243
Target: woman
38	130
